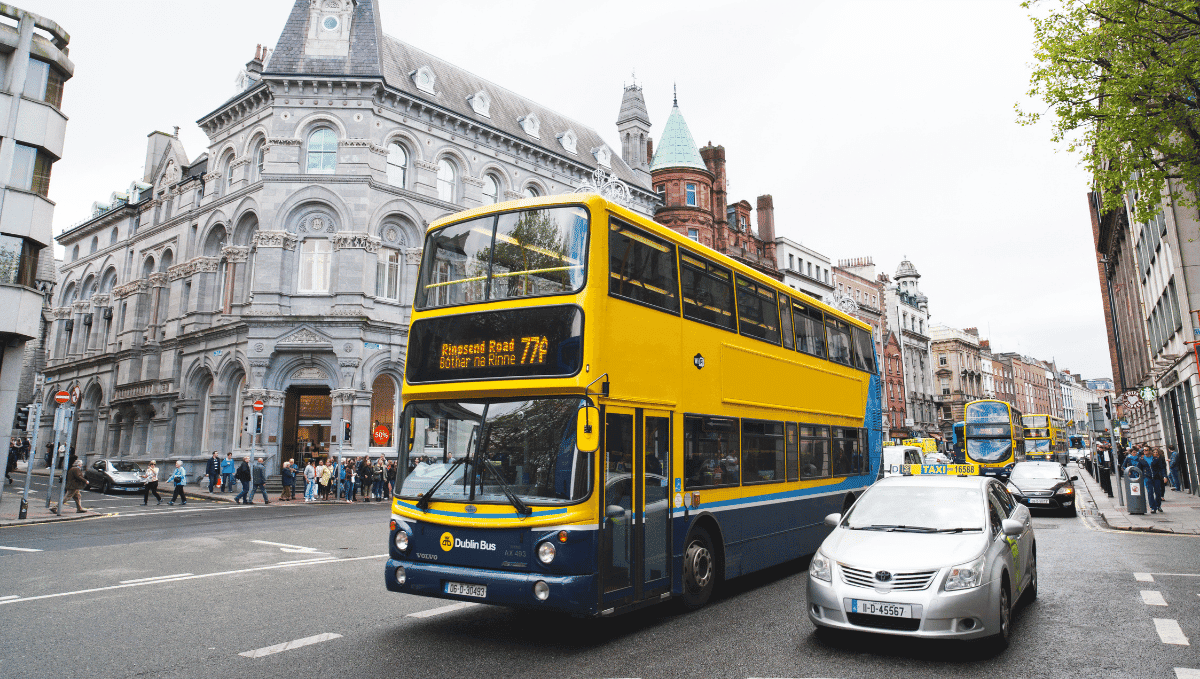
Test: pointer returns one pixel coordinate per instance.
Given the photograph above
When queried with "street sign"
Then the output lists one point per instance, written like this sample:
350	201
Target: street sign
258	406
62	397
75	392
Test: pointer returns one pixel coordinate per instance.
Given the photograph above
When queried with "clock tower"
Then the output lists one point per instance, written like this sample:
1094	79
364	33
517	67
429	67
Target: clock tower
329	28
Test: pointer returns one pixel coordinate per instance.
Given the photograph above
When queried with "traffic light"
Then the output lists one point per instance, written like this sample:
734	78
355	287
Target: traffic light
249	426
345	431
1108	407
257	423
21	421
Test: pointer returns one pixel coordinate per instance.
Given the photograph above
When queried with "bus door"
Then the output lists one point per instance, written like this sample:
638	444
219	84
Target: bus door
635	523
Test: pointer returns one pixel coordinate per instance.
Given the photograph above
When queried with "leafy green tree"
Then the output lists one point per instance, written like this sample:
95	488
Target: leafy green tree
1122	80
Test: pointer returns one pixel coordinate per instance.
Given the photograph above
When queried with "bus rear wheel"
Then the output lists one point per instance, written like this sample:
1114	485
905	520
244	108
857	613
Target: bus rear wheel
699	569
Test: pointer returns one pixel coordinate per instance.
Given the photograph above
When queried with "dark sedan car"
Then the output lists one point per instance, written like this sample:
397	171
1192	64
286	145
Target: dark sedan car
109	475
1043	485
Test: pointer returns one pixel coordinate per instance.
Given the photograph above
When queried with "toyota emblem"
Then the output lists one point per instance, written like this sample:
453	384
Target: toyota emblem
883	576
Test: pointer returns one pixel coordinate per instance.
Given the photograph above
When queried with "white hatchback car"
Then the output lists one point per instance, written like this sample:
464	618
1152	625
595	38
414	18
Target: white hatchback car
926	556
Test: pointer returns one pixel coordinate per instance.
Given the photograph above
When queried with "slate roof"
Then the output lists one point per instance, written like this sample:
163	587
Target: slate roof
633	106
375	54
676	147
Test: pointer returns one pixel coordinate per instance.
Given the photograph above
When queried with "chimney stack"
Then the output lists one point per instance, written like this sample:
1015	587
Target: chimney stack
766	218
714	160
972	331
254	67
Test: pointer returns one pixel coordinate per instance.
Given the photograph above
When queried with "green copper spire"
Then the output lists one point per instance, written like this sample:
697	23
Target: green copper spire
676	148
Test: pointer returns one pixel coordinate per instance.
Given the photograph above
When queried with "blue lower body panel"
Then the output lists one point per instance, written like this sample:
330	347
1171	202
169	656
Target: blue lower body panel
568	593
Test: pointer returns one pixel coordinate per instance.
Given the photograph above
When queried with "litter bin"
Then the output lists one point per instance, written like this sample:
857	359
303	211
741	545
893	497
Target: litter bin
1135	491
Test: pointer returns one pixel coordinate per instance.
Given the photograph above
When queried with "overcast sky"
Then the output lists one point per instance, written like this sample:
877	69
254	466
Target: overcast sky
882	129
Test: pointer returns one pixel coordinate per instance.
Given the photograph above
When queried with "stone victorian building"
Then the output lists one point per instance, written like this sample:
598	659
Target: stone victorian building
279	265
907	310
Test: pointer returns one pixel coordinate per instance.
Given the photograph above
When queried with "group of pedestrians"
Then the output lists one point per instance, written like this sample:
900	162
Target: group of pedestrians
178	477
1158	469
349	479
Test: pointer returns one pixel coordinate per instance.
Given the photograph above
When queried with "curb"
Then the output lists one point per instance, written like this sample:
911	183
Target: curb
29	522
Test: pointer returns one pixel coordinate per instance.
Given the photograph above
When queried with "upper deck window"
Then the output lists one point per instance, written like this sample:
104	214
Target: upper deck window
758	311
528	253
810	330
864	352
707	291
838	333
642	267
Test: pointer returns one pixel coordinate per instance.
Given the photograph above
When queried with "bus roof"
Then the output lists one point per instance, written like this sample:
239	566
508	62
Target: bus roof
597	203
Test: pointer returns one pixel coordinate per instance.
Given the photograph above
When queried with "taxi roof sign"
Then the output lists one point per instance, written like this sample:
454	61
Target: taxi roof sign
940	469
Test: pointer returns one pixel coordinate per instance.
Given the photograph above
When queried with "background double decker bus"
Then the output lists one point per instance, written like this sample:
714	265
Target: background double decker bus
1045	438
599	413
994	437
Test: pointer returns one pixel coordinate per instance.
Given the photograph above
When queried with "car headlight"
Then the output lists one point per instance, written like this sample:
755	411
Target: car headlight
402	540
1067	490
820	568
1013	489
966	576
546	552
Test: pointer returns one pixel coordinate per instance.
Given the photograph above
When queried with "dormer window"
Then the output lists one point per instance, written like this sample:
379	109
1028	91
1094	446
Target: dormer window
530	124
481	103
424	79
603	156
568	140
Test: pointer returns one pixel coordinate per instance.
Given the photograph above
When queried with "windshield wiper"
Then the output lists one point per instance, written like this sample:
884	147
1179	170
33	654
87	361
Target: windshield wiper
522	508
423	503
891	528
959	530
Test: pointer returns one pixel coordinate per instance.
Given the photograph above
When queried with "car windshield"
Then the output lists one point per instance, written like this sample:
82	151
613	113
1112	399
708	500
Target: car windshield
925	509
527	253
125	466
529	446
1036	471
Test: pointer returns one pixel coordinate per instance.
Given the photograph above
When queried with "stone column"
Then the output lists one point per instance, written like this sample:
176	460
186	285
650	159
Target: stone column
354	258
61	346
219	434
271	282
160	296
186	412
425	178
99	337
236	256
79	335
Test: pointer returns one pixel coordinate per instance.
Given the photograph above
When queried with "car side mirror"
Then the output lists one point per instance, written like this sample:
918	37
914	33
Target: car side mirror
1011	527
1075	478
614	512
833	520
587	429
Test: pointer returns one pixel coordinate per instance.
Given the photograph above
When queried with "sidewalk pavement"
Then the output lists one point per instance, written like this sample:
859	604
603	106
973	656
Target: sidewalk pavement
36	512
1181	510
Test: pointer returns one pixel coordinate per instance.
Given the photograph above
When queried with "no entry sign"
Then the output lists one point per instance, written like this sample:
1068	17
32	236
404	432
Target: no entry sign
62	397
258	406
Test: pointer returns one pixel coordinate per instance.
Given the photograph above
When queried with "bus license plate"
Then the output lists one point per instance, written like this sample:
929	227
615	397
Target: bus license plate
463	589
1039	501
881	608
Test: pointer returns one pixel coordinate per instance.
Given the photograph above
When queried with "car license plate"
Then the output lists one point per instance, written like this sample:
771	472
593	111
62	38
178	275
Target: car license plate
881	608
463	589
1039	501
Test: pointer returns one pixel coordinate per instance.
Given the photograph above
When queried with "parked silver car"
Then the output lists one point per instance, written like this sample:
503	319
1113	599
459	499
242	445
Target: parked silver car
110	475
926	556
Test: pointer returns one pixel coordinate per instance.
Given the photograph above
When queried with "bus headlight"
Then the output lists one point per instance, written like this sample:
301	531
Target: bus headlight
541	590
546	552
402	540
401	576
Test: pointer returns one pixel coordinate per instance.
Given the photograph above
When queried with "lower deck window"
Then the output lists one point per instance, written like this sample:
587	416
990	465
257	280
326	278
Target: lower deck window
814	451
710	452
762	451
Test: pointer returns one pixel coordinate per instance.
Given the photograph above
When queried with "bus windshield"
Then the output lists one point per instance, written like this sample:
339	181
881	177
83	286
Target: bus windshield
988	450
527	253
530	444
1037	445
1035	421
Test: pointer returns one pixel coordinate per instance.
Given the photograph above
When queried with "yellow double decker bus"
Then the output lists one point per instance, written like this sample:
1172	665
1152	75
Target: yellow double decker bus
599	413
993	435
1045	438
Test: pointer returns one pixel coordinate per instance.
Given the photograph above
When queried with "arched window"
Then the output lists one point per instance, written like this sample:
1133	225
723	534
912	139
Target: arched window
383	412
491	189
95	245
114	236
322	151
223	287
397	165
227	168
75	253
315	255
530	192
446	178
237	411
205	413
260	158
387	274
147	267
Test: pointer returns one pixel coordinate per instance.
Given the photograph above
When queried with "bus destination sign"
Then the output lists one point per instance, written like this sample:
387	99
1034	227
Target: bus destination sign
510	343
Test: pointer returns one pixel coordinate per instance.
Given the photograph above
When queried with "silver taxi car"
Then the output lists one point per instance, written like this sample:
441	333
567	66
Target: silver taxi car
926	556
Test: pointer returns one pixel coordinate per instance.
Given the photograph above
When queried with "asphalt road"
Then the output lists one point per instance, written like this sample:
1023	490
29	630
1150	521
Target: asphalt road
185	593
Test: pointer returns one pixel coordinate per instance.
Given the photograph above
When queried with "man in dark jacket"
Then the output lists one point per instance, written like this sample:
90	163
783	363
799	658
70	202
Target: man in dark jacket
260	481
243	475
213	469
75	483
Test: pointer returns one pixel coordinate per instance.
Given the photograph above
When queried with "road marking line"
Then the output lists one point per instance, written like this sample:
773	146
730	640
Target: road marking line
1185	673
21	549
318	559
1152	597
1181	575
1143	577
1170	632
10	596
157	577
190	577
444	609
290	549
287	646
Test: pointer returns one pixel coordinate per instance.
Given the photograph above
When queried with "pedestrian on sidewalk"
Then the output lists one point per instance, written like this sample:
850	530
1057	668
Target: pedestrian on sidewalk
76	482
1137	460
366	476
347	474
228	467
150	478
14	450
1158	474
213	470
379	474
1173	466
179	478
391	478
310	481
326	470
260	482
243	475
289	477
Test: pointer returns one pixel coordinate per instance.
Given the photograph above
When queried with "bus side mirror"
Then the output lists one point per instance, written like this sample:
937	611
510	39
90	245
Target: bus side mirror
587	429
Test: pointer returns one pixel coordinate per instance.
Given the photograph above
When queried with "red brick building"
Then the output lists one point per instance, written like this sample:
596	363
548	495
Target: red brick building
893	387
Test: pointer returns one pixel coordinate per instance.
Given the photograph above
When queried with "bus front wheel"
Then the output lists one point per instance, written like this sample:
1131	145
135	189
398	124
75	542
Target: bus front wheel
699	569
